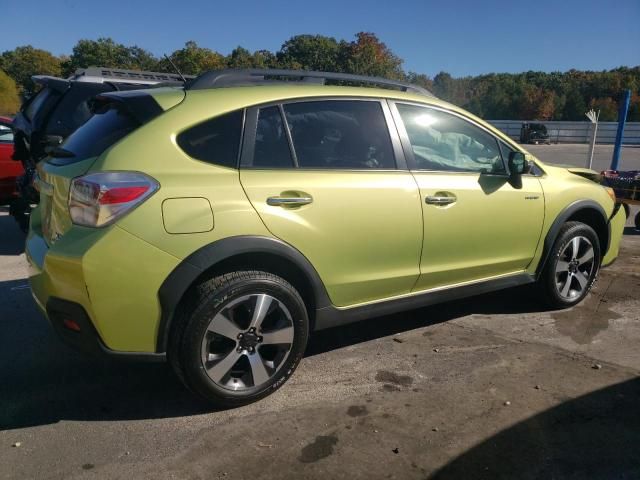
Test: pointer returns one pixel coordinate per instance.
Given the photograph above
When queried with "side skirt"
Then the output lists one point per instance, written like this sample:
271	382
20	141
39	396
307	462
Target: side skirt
332	316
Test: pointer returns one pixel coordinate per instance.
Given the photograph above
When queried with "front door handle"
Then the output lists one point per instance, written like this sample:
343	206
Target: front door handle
288	201
440	200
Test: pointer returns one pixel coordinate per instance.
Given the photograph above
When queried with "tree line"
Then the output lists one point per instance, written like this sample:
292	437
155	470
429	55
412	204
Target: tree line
527	96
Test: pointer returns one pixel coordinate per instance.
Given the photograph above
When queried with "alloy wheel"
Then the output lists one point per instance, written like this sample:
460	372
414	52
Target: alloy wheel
247	342
574	267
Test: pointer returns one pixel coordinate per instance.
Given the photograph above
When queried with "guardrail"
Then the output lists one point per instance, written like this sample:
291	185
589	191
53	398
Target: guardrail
574	132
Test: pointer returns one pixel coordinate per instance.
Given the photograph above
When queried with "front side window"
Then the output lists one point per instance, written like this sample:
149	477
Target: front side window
445	142
215	141
337	134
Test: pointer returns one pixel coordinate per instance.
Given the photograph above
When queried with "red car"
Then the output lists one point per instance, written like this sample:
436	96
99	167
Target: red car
9	169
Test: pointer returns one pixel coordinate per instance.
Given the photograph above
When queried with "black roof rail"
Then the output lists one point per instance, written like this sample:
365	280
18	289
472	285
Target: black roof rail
128	75
236	77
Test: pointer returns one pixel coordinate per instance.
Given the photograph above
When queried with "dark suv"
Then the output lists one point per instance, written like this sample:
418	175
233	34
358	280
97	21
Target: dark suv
58	109
534	133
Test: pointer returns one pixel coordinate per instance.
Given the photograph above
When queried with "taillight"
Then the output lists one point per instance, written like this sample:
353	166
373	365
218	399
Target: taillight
98	199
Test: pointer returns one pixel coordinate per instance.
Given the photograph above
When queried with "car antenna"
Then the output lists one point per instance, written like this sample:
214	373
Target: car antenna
184	80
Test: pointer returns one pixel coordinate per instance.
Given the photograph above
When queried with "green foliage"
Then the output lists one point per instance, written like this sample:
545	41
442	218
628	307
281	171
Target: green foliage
9	98
23	62
193	60
309	52
104	52
527	96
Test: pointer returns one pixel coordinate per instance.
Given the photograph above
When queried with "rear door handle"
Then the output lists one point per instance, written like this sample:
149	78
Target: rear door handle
288	201
440	200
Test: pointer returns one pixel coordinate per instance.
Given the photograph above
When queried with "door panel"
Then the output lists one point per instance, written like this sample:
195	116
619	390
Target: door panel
362	231
491	229
478	223
322	176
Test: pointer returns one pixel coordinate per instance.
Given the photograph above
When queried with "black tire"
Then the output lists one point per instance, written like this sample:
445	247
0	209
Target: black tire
637	221
548	281
209	299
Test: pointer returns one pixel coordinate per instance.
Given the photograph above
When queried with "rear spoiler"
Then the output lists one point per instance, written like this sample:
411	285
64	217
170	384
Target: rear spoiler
55	83
138	103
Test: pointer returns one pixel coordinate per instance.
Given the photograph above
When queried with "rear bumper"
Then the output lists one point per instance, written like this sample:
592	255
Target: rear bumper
616	227
85	338
103	279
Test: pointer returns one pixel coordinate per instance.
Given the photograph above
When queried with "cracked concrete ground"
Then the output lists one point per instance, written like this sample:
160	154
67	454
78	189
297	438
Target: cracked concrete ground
489	387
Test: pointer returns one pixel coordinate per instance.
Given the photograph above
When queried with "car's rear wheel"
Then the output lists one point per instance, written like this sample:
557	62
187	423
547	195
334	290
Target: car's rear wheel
572	267
239	337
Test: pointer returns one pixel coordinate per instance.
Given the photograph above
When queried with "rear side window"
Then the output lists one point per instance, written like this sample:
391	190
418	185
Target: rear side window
100	132
272	147
337	134
215	141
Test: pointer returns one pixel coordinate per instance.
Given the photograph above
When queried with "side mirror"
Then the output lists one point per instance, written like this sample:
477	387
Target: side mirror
53	140
518	165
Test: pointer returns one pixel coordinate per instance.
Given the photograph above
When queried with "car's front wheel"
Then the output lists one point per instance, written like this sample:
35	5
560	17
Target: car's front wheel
572	267
239	337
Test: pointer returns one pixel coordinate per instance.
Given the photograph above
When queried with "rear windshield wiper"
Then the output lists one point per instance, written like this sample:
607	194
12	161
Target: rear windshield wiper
61	153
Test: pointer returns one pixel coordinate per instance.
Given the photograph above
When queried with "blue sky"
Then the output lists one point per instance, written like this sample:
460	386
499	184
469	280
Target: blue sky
461	37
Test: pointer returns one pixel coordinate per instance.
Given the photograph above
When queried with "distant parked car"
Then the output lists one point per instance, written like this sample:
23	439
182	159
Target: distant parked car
534	133
9	168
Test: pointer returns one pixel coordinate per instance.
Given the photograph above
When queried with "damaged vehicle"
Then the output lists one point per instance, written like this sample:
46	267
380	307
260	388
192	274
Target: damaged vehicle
220	224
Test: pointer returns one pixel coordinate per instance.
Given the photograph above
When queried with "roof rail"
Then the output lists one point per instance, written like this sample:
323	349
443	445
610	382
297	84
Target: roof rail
233	77
131	76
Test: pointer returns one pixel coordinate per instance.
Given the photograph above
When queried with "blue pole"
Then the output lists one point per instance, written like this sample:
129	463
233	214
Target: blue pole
622	118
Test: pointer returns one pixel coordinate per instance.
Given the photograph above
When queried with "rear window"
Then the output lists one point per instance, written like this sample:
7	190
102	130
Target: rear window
100	132
73	110
215	141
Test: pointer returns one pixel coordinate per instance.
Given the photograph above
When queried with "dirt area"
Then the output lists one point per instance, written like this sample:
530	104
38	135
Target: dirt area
490	387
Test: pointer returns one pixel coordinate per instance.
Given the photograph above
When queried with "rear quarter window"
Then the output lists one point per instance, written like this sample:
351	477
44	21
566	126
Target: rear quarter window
215	141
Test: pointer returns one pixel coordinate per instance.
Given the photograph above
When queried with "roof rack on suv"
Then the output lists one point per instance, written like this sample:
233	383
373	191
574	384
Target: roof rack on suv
233	77
94	74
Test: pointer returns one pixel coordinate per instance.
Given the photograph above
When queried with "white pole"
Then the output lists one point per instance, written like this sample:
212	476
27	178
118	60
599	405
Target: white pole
594	119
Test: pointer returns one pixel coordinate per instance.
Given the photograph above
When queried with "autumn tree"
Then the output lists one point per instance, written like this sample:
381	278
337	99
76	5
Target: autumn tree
23	62
367	55
9	98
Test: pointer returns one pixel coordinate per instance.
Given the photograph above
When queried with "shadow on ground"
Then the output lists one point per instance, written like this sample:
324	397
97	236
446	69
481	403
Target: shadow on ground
44	381
11	238
595	436
514	300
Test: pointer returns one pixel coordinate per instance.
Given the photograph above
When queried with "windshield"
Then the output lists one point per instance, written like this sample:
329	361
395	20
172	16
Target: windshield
100	132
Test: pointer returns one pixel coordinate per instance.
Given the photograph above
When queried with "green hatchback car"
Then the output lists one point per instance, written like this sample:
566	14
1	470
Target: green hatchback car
221	223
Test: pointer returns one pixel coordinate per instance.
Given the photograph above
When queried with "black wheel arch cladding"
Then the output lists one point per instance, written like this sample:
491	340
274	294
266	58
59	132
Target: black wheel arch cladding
589	207
207	257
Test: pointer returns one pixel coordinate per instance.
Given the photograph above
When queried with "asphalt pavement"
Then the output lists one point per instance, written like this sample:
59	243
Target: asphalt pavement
491	387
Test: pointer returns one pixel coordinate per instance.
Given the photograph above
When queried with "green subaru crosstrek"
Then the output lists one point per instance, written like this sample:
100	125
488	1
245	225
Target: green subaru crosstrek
220	224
